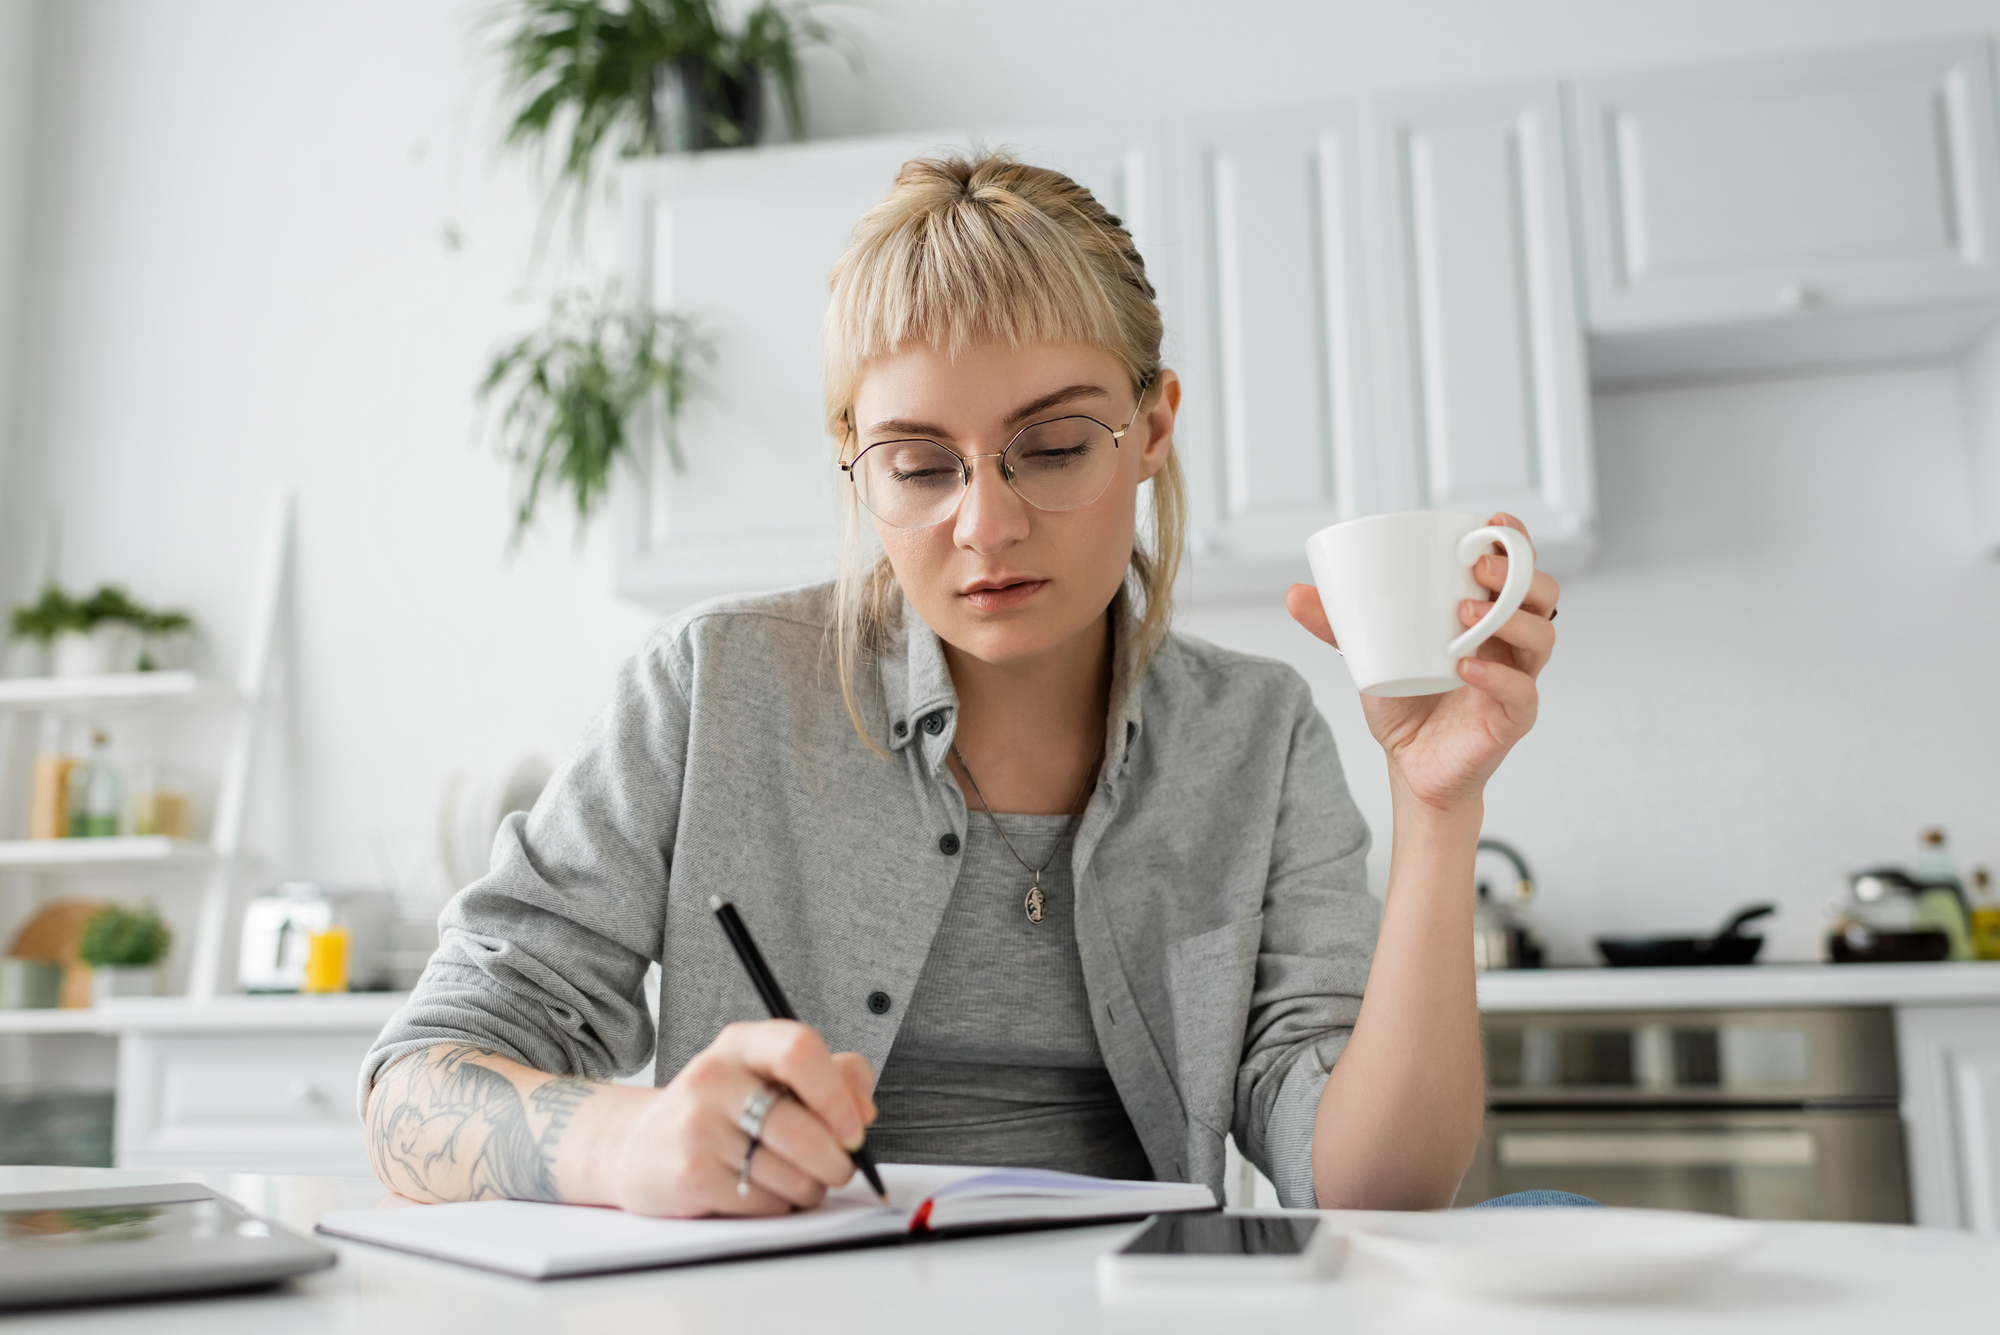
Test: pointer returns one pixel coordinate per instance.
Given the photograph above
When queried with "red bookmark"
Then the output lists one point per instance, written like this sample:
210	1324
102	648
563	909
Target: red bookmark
920	1222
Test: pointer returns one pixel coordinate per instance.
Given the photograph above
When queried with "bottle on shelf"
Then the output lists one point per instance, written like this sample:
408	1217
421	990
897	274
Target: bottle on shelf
1934	860
161	806
94	793
48	790
1985	914
1941	895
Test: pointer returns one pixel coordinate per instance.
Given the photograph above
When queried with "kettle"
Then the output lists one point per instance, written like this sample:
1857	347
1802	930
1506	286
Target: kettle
1501	937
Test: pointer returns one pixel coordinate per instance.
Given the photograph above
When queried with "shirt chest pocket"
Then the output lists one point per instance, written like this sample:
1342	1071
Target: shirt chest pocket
1209	978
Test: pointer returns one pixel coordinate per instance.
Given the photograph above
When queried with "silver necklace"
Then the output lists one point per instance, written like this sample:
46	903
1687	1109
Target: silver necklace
1035	902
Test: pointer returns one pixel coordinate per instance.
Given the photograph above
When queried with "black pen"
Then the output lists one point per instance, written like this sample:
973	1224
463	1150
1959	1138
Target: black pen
767	987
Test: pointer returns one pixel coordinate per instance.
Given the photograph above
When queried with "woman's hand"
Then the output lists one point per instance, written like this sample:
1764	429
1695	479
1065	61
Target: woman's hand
1443	748
678	1151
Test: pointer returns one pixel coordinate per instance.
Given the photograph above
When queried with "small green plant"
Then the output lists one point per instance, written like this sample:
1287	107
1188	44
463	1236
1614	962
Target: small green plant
55	611
112	603
47	617
572	391
124	938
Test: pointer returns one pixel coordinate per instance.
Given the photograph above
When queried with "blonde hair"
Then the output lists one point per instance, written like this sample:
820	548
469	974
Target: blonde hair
966	250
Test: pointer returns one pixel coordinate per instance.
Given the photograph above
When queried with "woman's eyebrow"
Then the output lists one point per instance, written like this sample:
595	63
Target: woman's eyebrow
905	426
1068	394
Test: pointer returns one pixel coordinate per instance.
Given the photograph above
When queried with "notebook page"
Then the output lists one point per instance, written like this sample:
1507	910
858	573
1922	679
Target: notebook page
542	1241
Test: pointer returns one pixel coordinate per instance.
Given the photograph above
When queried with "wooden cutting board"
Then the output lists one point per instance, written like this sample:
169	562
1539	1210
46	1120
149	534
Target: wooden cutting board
53	934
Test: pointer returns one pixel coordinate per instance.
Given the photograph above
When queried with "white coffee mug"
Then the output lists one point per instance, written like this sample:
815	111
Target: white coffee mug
1391	586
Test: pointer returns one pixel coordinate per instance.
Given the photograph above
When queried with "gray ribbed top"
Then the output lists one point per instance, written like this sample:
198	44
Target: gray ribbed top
996	1061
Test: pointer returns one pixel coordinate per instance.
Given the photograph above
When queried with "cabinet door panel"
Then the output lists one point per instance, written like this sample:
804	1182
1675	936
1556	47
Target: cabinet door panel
1950	1058
1763	189
272	1103
1272	426
1480	349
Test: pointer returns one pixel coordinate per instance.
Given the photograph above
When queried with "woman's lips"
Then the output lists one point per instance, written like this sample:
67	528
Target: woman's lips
1006	597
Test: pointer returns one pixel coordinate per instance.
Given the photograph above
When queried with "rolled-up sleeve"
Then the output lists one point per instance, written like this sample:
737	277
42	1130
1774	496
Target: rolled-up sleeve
1319	933
544	958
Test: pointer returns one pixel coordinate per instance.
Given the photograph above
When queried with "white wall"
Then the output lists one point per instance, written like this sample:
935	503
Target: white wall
239	283
18	25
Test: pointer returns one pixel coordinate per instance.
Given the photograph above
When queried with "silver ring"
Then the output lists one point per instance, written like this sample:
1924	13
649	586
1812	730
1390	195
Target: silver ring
756	1108
743	1178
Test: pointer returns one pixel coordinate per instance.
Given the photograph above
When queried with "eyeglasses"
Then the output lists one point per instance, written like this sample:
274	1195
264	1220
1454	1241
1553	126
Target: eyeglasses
1064	463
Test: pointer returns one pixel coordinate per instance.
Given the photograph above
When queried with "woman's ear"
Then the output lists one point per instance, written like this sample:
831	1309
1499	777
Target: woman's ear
1158	424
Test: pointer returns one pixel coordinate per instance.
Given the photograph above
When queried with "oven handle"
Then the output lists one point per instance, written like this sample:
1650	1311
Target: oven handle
1656	1149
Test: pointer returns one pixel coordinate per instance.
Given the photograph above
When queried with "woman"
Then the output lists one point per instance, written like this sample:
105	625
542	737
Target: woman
1087	894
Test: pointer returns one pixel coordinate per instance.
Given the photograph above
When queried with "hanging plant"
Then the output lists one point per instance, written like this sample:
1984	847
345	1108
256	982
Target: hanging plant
572	392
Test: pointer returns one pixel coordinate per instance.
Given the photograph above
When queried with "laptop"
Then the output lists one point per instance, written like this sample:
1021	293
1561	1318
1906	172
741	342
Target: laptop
107	1243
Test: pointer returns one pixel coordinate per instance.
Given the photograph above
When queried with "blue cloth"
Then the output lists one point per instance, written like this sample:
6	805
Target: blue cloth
1527	1199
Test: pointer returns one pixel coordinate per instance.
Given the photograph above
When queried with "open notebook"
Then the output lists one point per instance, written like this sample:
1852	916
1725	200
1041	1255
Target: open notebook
550	1241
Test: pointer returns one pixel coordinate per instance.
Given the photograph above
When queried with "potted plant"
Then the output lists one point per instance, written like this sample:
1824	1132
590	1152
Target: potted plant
586	78
123	948
166	641
33	628
573	391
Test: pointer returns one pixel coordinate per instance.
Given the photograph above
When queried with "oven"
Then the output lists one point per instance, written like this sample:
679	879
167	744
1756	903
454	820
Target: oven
1761	1114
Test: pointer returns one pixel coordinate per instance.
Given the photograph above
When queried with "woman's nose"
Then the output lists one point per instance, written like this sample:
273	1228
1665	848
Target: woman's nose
991	516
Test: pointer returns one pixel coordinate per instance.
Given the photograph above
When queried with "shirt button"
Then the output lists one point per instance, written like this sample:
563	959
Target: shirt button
948	845
878	1002
902	728
934	723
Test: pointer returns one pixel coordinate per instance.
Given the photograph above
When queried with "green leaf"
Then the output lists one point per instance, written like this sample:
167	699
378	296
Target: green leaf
131	938
570	393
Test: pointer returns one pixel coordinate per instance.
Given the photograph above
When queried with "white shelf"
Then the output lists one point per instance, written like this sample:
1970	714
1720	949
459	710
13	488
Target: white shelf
118	688
356	1012
131	850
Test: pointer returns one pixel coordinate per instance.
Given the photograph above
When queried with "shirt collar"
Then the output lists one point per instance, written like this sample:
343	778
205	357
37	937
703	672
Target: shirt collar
917	690
919	697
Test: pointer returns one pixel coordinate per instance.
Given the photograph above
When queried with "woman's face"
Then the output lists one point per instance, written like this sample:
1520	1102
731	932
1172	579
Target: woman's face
1000	579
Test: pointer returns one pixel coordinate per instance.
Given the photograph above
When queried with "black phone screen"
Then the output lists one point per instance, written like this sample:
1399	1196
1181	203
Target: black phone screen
1222	1235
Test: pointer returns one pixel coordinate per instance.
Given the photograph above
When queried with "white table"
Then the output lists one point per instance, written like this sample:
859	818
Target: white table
1818	1279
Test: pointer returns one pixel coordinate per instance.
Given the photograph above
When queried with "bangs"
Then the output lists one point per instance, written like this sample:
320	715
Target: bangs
980	266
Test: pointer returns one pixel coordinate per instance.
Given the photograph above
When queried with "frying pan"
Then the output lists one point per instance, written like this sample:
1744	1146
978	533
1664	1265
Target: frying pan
1728	946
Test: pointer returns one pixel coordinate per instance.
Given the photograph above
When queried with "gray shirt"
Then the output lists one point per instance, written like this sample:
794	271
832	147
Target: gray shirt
1222	918
997	1061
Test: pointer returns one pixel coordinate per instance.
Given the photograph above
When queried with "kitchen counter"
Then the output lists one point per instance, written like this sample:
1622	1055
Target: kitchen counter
1969	983
1812	1279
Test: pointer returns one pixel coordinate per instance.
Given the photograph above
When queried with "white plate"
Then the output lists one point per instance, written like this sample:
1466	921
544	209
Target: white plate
1525	1254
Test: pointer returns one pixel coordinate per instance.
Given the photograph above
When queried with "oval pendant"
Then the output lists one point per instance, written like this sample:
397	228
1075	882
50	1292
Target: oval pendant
1034	903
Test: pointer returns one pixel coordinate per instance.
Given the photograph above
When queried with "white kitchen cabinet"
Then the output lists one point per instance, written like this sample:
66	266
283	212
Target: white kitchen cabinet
1269	337
1950	1057
1479	353
243	1102
1793	192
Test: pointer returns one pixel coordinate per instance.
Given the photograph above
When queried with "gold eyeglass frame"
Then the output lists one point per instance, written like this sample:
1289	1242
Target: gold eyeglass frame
965	461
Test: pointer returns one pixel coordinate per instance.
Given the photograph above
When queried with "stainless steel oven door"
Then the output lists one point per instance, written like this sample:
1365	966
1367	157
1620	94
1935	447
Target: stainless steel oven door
1790	1164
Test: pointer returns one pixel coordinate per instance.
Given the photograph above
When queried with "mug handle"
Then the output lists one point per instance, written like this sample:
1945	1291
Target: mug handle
1520	570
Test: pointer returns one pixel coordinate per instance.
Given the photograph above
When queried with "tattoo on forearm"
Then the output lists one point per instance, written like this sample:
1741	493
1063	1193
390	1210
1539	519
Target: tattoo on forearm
456	1130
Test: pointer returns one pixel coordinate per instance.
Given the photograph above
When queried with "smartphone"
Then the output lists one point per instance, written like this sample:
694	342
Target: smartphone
1260	1244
